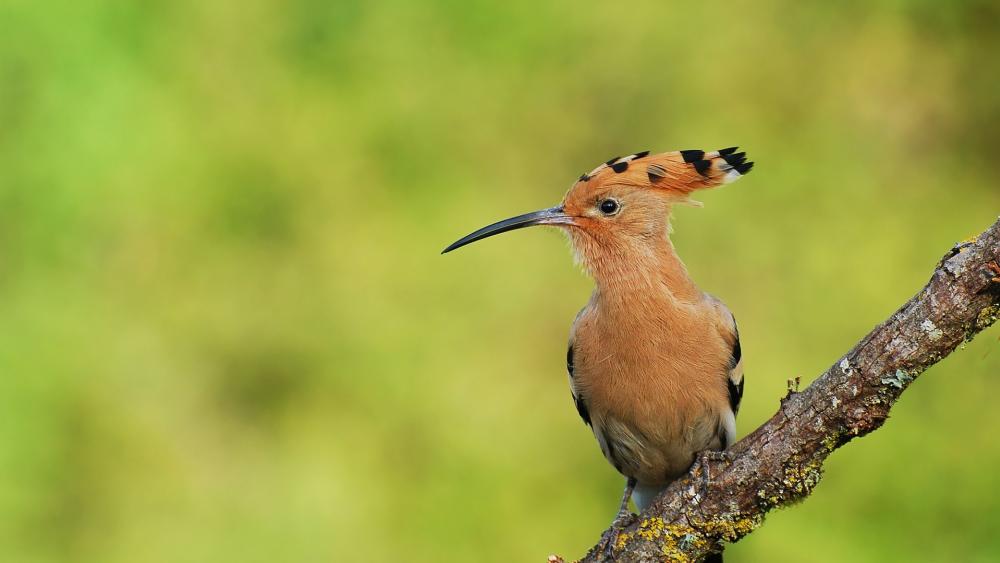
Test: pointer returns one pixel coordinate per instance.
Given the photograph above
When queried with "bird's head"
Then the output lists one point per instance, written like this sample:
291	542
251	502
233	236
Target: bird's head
623	205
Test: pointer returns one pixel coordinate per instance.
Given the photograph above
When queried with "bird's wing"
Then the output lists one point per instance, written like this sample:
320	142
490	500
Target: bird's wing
578	400
581	406
734	375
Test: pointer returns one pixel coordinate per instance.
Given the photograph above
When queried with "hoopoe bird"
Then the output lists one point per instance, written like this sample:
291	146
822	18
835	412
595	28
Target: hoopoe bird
655	365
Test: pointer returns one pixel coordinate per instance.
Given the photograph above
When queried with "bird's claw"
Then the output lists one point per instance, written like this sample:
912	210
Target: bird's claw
622	520
609	539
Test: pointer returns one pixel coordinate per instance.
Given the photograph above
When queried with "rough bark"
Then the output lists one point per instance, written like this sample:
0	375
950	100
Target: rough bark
781	462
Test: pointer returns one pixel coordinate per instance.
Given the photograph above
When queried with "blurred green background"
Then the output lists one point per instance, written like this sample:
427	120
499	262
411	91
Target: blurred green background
227	334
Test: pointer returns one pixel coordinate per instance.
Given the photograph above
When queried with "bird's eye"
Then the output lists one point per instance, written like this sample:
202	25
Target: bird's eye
609	207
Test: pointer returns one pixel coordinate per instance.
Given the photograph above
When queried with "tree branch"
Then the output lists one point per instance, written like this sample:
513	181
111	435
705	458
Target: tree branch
781	462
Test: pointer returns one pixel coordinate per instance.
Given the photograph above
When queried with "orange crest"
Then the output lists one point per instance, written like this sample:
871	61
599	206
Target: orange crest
680	171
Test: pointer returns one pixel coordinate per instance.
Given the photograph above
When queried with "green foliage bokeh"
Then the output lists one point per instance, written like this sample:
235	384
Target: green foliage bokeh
227	334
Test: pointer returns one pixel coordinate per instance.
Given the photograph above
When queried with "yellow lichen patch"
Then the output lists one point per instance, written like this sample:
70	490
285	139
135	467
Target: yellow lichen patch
677	541
672	552
623	539
802	478
731	528
651	528
987	316
831	441
769	498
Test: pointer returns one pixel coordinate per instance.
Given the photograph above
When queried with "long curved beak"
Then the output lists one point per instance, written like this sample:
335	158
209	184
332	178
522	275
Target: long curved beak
550	216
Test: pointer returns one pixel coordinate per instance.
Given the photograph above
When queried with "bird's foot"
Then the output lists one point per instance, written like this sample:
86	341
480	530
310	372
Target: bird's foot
705	459
609	539
623	519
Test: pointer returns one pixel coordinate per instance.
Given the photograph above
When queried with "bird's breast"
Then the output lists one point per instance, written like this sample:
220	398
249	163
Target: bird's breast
655	389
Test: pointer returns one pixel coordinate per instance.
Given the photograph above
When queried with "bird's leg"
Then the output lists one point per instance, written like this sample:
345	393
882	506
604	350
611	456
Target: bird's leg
624	516
622	519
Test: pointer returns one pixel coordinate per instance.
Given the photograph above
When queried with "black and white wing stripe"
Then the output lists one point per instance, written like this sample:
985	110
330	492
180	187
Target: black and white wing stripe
734	376
734	381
